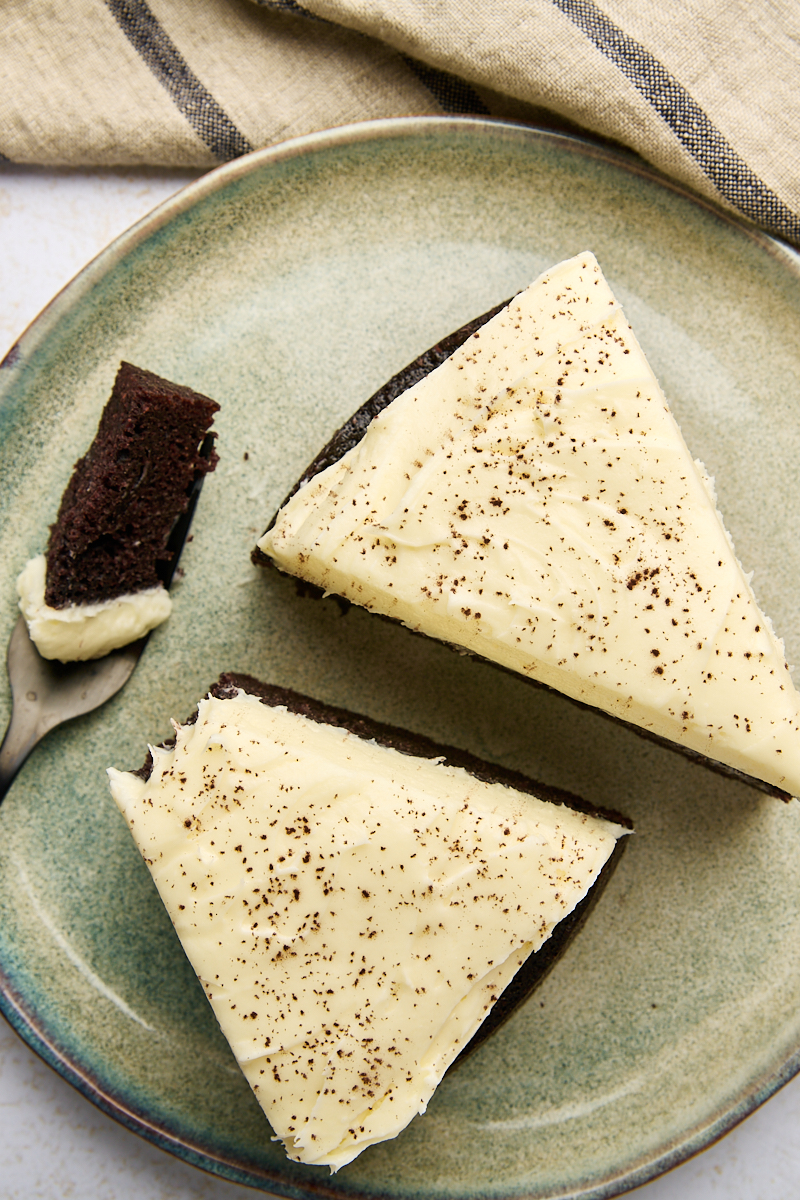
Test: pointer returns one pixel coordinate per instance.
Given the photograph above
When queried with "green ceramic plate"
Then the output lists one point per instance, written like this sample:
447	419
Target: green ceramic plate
289	285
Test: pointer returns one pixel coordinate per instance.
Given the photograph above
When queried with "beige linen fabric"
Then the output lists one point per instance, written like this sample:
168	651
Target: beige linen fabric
78	92
279	75
738	61
706	92
741	62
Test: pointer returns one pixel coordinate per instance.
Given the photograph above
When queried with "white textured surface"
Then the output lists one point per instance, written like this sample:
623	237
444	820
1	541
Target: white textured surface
52	223
53	1143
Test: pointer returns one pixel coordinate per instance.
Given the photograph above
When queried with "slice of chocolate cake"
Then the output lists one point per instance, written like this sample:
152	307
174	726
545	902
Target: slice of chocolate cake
102	582
358	902
531	501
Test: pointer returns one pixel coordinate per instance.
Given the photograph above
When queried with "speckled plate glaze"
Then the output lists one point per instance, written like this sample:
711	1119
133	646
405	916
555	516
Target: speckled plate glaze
289	285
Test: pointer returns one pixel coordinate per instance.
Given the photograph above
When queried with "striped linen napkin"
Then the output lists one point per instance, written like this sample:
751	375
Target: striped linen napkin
706	92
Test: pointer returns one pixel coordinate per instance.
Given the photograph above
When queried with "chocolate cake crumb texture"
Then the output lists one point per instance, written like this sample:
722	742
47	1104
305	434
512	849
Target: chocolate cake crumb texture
128	490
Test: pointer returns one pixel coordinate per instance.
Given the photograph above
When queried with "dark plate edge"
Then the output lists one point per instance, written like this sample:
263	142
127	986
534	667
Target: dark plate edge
11	1006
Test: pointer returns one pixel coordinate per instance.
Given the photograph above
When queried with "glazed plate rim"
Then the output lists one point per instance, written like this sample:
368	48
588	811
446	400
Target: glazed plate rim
13	1005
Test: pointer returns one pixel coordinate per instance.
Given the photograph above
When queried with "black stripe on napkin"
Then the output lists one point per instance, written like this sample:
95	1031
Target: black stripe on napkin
452	94
291	6
198	106
729	173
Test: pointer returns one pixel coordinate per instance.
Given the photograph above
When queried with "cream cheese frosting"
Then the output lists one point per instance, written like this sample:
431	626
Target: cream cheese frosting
352	912
533	501
86	631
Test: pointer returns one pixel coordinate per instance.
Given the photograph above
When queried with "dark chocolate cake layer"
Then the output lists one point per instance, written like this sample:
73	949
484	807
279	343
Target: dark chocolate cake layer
537	966
351	433
354	428
125	494
403	740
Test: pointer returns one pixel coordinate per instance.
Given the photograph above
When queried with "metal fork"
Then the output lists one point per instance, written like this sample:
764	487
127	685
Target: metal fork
46	693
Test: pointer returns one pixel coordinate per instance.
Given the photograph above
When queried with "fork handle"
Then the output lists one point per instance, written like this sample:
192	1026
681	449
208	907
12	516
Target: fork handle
23	733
